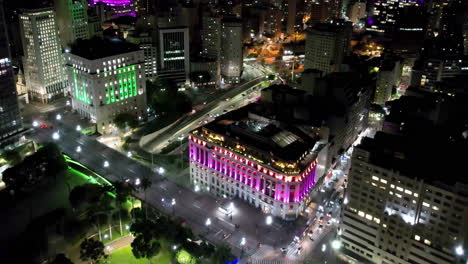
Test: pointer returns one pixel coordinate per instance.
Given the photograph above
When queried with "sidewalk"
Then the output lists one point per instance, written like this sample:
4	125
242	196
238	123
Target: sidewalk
119	243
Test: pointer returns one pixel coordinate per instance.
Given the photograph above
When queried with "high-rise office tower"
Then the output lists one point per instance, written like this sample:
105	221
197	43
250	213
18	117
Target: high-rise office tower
322	10
145	41
384	14
43	58
174	54
72	20
291	16
327	45
106	77
211	36
10	119
231	50
388	78
403	204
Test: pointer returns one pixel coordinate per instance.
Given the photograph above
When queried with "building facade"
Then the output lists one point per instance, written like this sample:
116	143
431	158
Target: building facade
72	20
211	36
388	78
108	84
10	119
393	215
226	162
145	42
174	54
43	58
327	45
231	50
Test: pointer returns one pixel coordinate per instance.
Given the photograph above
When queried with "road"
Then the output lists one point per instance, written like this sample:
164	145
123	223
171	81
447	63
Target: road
194	207
155	142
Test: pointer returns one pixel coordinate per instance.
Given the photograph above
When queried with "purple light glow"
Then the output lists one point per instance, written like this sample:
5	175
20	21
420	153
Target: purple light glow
114	2
230	170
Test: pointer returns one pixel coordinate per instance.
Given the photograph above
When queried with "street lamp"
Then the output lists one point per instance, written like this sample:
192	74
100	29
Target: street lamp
56	136
242	243
269	220
208	222
35	123
459	251
137	181
161	170
129	154
173	203
336	244
58	117
78	128
78	150
106	164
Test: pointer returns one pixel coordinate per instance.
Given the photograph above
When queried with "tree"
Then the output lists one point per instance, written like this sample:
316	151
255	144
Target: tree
12	156
146	233
61	259
222	254
92	250
123	192
145	247
145	185
124	120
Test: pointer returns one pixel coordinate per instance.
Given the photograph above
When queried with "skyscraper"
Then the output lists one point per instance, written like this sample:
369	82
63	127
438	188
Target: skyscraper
174	54
211	35
10	119
72	20
43	58
326	46
231	50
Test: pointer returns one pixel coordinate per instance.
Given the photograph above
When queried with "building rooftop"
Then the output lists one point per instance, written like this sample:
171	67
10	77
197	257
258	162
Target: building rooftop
97	48
422	157
253	134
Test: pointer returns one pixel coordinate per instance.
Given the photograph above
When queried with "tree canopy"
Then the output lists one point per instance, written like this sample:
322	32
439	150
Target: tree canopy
124	120
92	250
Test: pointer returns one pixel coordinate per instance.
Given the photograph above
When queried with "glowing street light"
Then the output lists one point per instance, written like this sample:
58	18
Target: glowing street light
78	128
324	247
161	170
58	117
269	220
106	164
173	202
35	123
56	136
137	181
242	243
197	188
208	222
336	244
78	149
129	154
459	251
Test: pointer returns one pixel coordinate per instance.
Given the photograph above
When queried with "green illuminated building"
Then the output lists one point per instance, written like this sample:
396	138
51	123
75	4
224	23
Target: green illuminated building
106	77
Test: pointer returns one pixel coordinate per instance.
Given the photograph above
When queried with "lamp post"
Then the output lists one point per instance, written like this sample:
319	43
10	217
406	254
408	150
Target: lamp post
129	154
106	165
35	123
207	224
78	150
242	244
173	203
56	136
181	138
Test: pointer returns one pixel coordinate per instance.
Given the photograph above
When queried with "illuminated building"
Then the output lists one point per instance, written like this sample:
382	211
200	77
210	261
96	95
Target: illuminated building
211	36
72	20
145	41
428	72
383	16
119	7
248	154
106	77
10	119
43	58
388	78
404	204
322	10
174	54
326	46
231	50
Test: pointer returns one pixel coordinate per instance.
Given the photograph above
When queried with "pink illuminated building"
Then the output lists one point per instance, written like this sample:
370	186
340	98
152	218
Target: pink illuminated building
118	7
257	159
